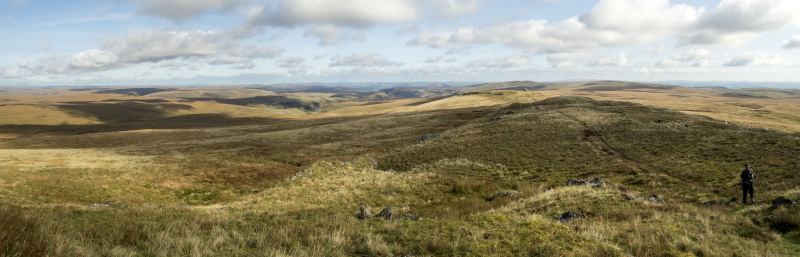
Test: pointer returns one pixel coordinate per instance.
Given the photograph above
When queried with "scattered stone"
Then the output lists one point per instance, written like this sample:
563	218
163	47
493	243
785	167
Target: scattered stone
386	213
149	205
184	205
411	217
97	205
391	171
655	199
405	208
756	222
364	212
780	200
595	182
511	195
427	138
570	216
548	189
629	198
336	189
389	192
575	182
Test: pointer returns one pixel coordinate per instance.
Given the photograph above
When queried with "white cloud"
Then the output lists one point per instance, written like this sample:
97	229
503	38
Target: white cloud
154	45
567	59
615	60
9	73
332	35
511	61
362	60
455	8
434	59
759	59
291	62
354	13
734	22
612	23
179	10
693	58
792	43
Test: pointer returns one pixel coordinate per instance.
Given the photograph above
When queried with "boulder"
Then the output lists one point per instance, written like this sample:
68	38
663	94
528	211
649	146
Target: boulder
364	212
386	213
570	216
780	200
655	199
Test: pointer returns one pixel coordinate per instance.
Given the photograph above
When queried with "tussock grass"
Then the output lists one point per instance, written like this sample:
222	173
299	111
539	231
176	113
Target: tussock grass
226	174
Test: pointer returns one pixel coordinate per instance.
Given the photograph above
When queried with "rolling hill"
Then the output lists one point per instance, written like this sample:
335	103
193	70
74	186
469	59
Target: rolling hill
505	169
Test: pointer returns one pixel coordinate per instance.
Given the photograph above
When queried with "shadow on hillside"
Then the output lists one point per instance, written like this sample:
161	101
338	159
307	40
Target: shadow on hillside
178	122
127	111
272	100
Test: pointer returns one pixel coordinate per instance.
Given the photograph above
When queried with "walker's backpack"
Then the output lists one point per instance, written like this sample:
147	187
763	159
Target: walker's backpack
748	176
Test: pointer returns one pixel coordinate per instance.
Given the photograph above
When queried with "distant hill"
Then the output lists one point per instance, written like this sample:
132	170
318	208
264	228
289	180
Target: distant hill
306	89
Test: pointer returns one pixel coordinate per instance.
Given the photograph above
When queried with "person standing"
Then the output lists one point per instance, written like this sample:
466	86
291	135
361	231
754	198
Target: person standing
748	183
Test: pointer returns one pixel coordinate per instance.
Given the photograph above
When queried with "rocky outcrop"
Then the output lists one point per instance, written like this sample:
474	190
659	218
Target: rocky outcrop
386	213
596	182
570	216
780	200
364	212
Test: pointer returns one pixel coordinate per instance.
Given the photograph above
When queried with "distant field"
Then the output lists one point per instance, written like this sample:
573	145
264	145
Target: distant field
277	171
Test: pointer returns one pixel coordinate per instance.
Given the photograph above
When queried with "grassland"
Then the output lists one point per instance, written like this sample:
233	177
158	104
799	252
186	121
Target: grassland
170	174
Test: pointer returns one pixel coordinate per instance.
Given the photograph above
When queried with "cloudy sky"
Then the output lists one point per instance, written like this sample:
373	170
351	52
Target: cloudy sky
180	42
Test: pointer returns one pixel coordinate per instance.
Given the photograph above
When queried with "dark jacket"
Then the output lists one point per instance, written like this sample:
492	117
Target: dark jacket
748	177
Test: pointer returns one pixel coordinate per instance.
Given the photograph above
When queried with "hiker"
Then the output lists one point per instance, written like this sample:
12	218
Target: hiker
748	180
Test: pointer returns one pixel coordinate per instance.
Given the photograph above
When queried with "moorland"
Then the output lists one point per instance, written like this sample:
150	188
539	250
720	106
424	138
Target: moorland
598	168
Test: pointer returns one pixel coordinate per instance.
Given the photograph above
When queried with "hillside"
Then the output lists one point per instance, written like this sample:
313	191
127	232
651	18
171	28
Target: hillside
487	172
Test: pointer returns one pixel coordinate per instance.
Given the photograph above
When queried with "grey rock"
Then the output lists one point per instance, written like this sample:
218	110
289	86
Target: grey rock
364	212
574	182
411	217
386	213
655	199
149	205
389	192
97	205
570	216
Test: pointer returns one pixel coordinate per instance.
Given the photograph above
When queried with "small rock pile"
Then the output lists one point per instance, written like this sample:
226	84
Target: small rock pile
594	182
570	216
364	212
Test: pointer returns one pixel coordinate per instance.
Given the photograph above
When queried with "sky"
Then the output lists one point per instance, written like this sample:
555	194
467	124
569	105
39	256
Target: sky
235	42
